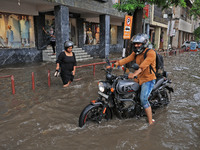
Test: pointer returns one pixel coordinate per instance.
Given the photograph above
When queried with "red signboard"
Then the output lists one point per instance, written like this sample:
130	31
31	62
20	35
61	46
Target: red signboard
146	11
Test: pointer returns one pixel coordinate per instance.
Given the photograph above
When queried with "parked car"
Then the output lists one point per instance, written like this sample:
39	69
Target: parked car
187	44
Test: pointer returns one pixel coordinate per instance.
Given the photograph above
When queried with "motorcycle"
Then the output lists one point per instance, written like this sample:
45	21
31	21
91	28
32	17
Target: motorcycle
120	96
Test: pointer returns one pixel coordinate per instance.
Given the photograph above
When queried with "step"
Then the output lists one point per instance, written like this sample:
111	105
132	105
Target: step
81	55
77	59
82	59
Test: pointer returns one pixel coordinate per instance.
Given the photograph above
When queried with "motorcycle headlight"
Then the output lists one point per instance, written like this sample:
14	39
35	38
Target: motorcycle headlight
102	87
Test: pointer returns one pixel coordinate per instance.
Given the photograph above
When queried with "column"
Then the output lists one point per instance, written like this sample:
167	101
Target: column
157	37
148	29
61	27
165	37
104	36
80	31
40	40
120	39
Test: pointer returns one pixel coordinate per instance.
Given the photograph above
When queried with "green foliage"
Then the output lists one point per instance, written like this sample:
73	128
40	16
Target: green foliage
130	5
195	10
197	33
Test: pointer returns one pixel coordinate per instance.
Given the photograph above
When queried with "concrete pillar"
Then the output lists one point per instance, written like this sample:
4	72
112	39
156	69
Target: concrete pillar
165	37
148	28
61	27
157	37
80	31
104	36
120	39
39	23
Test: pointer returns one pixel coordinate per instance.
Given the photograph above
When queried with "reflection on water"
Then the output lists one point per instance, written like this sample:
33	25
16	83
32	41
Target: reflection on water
47	118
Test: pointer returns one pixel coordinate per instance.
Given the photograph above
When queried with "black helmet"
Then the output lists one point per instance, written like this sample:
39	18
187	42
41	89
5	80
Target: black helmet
68	44
140	38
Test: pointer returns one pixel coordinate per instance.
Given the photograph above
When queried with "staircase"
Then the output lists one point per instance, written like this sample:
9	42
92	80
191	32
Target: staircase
81	55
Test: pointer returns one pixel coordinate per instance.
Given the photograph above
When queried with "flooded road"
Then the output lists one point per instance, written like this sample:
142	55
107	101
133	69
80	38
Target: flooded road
47	118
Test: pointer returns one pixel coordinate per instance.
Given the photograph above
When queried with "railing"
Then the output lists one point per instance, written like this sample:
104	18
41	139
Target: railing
94	65
12	82
165	53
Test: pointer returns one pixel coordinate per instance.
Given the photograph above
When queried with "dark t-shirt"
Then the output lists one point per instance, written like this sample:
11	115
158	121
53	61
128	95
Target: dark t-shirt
67	63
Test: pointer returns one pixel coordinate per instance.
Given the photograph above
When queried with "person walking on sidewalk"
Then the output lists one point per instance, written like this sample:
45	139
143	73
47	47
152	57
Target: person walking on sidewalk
66	62
145	76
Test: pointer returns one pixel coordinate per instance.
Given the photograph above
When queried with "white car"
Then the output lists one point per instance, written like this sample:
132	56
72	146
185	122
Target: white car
187	44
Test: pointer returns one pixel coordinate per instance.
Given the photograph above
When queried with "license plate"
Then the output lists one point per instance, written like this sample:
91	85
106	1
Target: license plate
102	94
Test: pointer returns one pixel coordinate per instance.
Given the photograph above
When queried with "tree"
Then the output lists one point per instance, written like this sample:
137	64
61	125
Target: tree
135	8
195	11
197	33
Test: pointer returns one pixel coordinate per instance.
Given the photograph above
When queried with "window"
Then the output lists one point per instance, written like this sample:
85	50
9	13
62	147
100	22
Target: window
113	34
16	31
91	33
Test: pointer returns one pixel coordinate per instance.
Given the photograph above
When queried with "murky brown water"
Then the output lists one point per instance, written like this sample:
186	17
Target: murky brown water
47	119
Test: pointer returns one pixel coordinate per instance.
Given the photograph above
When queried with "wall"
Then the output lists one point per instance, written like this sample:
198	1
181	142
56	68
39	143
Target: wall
92	5
26	55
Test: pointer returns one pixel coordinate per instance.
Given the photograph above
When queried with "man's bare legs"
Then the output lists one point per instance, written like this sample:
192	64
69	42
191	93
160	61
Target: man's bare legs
149	115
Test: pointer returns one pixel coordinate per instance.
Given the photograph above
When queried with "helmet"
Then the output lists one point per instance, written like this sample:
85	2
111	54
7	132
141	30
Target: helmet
68	44
140	38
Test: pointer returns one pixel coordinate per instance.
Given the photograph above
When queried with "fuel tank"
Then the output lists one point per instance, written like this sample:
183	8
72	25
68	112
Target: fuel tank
127	86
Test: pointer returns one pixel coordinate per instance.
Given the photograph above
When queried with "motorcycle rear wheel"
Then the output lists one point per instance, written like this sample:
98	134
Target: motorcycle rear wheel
92	113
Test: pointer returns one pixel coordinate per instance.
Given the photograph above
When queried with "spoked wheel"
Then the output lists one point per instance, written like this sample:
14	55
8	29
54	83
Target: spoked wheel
93	113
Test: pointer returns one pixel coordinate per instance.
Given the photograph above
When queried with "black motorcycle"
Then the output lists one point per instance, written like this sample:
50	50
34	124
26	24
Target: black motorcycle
120	96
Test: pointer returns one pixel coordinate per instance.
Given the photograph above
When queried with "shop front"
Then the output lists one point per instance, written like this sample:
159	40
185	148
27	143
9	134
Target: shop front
16	30
23	29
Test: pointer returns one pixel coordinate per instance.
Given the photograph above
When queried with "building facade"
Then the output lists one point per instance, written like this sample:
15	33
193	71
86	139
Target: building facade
93	25
158	28
183	25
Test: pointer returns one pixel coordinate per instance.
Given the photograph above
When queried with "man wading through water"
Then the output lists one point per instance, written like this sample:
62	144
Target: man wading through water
145	76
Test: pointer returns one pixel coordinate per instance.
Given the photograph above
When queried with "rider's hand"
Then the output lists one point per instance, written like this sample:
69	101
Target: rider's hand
116	63
108	67
131	75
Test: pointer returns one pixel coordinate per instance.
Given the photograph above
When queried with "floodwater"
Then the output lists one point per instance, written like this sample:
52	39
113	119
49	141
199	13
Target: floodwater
47	118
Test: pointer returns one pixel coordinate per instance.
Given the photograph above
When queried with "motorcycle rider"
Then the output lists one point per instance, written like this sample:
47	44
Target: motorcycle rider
145	76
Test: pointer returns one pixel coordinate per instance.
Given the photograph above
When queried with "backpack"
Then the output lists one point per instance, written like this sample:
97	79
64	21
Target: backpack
159	64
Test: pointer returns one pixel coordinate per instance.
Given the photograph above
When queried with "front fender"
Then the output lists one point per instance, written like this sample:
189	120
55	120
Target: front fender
97	103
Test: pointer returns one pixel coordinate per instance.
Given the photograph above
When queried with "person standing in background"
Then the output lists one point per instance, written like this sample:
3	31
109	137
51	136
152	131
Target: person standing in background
10	36
90	38
22	24
26	31
52	39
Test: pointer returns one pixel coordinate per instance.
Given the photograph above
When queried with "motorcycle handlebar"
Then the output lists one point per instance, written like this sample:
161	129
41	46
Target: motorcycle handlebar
125	76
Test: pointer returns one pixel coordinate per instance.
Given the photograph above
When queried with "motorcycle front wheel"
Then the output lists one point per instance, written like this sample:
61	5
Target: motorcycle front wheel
92	113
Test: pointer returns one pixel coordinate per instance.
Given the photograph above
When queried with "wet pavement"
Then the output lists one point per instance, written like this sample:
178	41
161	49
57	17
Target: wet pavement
47	118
